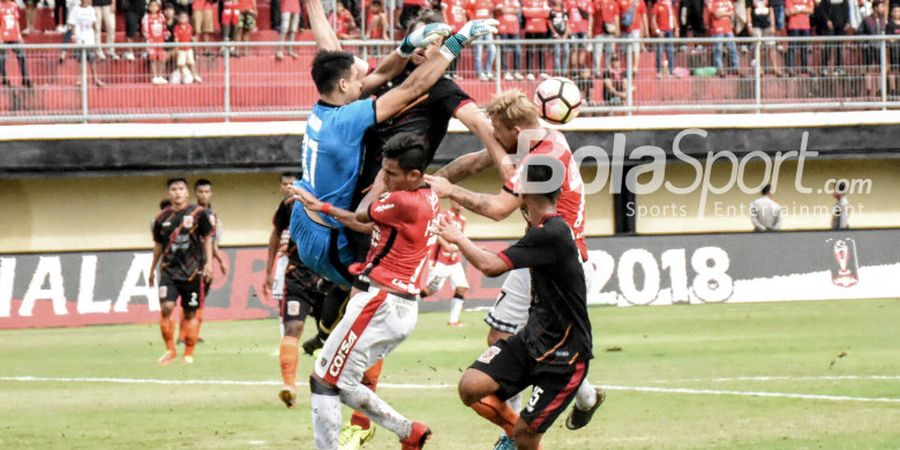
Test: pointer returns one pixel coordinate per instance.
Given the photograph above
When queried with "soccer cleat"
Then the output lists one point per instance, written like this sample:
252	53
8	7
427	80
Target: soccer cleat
353	437
578	418
311	345
188	359
417	437
167	358
505	443
367	435
288	396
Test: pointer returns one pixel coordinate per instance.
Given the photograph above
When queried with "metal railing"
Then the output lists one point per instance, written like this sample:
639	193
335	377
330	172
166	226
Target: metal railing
246	81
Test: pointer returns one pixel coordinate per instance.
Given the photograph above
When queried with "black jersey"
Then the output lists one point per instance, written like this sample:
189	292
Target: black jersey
181	234
558	330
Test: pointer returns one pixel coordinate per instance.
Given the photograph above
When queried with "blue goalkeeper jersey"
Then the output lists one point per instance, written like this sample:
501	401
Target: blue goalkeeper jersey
333	151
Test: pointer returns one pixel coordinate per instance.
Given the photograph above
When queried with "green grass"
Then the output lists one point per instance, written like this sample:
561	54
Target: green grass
667	347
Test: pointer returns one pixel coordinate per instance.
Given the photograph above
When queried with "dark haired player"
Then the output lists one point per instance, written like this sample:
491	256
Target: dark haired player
299	297
379	317
183	248
551	353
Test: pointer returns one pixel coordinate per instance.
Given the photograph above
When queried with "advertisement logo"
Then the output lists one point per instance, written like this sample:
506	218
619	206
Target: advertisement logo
847	273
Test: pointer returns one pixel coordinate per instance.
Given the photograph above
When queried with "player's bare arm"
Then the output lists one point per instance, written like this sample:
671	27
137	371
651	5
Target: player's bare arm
465	166
271	254
486	262
221	258
481	127
495	207
325	37
208	254
157	252
347	218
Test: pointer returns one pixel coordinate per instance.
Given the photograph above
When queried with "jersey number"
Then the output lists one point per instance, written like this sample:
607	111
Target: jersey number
310	152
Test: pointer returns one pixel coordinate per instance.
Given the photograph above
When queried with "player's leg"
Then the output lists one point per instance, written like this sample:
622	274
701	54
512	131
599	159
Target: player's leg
509	314
554	388
360	430
330	314
460	287
294	309
168	294
191	293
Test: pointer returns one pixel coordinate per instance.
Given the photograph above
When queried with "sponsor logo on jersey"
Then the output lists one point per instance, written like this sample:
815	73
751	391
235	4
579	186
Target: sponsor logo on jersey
489	354
337	363
384	207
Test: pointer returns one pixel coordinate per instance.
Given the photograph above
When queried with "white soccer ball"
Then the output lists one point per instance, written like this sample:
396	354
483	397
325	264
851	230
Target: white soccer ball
558	100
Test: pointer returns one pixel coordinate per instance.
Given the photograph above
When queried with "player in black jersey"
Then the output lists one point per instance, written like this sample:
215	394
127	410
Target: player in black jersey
182	234
299	294
551	353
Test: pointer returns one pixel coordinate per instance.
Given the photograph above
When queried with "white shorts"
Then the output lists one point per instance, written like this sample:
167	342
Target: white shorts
184	57
441	272
278	286
374	324
510	312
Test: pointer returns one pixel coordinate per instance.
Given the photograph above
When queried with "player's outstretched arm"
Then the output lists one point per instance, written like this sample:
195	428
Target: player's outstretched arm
495	207
486	262
465	166
393	64
431	70
325	37
347	218
481	127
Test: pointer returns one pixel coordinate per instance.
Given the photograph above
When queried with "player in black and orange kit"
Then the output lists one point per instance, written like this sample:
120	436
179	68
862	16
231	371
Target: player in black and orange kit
184	250
299	295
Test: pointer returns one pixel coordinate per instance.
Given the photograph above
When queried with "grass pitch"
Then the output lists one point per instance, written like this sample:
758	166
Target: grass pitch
779	375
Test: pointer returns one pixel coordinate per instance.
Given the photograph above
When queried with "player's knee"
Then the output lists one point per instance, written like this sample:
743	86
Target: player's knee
468	390
166	308
461	292
524	433
190	314
293	328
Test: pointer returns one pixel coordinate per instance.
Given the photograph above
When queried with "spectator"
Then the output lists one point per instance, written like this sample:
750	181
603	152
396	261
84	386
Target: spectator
455	16
762	25
614	91
693	21
535	13
409	11
184	55
11	36
60	14
204	21
377	21
510	16
841	212
346	26
106	19
893	29
483	9
798	13
832	19
558	24
290	22
633	18
777	14
81	27
30	17
153	26
580	12
275	14
134	12
721	14
605	27
664	25
180	6
873	25
765	212
231	18
247	23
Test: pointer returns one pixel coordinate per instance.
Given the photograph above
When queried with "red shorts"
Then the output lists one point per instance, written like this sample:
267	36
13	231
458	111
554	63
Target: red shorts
158	54
230	16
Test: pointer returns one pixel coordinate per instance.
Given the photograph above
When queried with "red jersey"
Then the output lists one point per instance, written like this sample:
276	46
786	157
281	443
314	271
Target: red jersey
183	33
639	9
536	13
153	27
245	5
720	25
457	220
403	238
414	3
9	23
455	14
480	9
664	12
345	24
289	6
797	21
571	197
579	14
375	32
509	21
605	11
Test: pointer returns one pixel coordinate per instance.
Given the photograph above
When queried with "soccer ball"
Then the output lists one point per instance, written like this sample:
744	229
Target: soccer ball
558	100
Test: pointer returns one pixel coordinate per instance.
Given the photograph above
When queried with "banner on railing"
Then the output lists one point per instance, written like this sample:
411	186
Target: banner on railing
74	289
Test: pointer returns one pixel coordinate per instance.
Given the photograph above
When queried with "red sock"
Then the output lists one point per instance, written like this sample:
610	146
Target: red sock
287	357
370	380
497	412
167	328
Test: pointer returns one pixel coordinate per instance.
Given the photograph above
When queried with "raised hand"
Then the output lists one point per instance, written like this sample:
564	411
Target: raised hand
423	37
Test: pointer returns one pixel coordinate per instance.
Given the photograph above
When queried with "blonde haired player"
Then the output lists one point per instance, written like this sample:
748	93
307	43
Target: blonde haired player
448	265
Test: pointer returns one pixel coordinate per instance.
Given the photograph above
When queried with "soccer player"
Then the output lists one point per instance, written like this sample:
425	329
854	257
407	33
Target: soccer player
447	264
382	312
299	296
512	112
551	353
184	250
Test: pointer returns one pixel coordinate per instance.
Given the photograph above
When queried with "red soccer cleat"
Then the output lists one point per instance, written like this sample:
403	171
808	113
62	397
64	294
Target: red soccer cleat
417	438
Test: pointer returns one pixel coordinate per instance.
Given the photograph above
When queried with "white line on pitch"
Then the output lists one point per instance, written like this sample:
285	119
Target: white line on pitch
786	378
839	398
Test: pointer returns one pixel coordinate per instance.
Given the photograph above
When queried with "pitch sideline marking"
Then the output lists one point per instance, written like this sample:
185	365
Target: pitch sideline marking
687	391
786	378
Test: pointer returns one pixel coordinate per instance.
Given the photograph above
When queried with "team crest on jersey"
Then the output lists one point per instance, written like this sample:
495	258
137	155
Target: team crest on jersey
489	354
163	290
187	221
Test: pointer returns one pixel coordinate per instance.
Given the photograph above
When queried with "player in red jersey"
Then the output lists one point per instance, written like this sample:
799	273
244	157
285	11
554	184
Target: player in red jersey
447	265
382	311
183	247
153	27
515	117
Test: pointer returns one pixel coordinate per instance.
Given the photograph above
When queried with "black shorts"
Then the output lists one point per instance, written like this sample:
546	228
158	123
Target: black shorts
301	297
133	20
192	293
555	386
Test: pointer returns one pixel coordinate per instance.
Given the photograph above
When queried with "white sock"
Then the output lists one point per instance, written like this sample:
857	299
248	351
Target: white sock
456	308
363	399
586	397
326	411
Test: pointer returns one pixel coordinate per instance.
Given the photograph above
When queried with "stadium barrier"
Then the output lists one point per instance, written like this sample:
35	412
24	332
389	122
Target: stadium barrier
75	289
256	85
